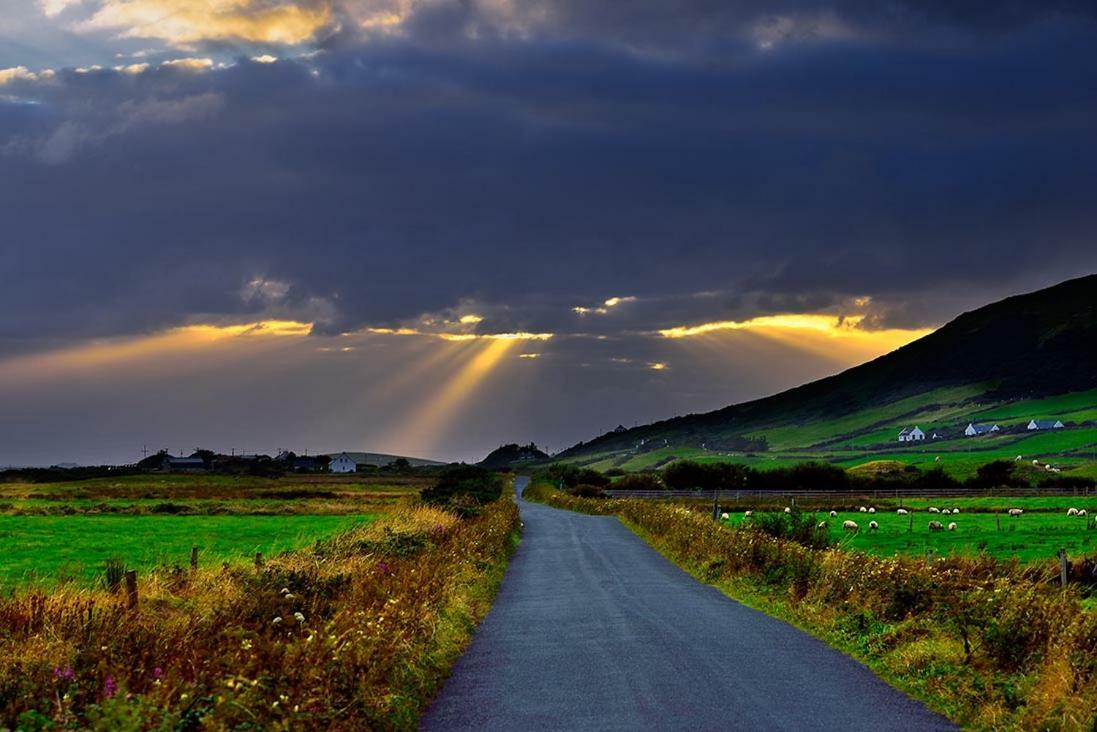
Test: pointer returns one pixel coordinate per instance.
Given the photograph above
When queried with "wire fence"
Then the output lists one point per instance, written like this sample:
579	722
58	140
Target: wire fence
896	493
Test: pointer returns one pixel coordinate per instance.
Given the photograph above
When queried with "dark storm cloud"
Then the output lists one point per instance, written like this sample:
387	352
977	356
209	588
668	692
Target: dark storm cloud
530	173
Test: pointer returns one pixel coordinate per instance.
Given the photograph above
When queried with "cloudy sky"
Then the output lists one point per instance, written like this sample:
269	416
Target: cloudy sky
432	226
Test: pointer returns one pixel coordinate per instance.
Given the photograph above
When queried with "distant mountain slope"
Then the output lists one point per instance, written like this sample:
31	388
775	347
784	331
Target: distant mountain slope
381	459
1033	345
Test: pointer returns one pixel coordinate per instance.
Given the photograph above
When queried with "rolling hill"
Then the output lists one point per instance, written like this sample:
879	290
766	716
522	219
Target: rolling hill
1028	356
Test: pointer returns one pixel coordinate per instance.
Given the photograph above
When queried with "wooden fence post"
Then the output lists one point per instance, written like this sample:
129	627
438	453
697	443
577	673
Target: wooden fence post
131	588
929	556
1063	567
258	560
194	559
910	526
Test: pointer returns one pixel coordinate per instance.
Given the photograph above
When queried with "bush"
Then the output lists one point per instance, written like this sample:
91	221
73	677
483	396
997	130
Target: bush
639	482
586	490
464	489
795	526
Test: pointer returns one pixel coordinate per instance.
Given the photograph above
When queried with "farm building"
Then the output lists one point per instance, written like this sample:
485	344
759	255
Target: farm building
1045	424
343	463
980	429
170	464
911	434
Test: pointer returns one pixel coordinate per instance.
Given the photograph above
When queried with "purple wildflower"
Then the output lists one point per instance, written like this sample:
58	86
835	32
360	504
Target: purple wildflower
157	672
110	688
65	674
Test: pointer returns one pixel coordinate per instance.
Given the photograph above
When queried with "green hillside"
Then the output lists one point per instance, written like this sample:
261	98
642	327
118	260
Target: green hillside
1026	357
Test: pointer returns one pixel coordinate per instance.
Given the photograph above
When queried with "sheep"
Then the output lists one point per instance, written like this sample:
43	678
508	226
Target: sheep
952	526
945	512
834	514
821	525
1015	511
872	526
1081	512
862	509
724	516
850	525
1035	461
902	512
788	509
933	509
936	526
955	511
871	509
748	514
1072	512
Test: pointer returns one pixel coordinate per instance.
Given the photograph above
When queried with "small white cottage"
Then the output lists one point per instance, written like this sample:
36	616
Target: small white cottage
980	429
914	434
343	463
1045	424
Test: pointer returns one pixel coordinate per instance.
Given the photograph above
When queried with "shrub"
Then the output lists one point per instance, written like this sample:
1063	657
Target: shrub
464	489
586	490
639	482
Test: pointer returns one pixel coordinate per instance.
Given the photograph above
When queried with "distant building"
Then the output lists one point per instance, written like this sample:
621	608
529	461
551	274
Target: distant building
911	434
170	464
980	429
1045	424
343	463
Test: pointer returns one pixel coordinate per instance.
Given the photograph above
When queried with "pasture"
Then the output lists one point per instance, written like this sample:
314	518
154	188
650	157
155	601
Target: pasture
1033	537
66	531
62	548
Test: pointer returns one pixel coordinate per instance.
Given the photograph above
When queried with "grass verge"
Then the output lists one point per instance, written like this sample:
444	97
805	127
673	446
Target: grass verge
989	644
357	632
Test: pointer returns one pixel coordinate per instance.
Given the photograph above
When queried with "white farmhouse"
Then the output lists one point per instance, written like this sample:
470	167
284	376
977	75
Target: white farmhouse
911	434
1045	424
343	463
980	429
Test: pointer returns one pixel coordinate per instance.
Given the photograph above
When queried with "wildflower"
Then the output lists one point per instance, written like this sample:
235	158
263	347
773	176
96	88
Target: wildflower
284	591
157	672
276	621
290	596
64	674
246	644
299	617
110	687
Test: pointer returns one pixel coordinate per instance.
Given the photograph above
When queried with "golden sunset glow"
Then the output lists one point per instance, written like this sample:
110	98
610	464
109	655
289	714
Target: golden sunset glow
101	353
459	337
188	22
827	325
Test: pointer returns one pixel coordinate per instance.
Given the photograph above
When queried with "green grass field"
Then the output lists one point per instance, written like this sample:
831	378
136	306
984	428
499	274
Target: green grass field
1032	537
59	547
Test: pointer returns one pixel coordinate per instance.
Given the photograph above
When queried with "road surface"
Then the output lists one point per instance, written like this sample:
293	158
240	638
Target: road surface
594	630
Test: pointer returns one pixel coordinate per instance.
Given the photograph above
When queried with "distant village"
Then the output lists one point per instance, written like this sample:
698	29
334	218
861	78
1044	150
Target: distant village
286	461
916	434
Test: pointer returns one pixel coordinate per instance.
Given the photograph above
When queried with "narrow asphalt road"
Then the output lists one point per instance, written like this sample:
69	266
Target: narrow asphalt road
594	630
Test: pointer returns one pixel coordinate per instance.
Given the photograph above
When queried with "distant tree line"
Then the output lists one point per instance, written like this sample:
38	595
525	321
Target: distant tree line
685	475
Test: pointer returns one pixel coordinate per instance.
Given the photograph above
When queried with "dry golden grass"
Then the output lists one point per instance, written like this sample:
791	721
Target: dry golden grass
356	633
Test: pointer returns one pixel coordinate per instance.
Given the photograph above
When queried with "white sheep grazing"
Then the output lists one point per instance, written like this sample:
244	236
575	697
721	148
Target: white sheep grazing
821	525
1081	512
936	526
1072	512
834	514
1035	461
1015	512
944	512
862	509
748	514
932	509
952	526
902	512
872	526
788	509
724	516
849	525
871	509
955	511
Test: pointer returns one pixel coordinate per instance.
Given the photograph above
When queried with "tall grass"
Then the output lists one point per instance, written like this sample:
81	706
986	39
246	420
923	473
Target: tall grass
355	633
991	644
